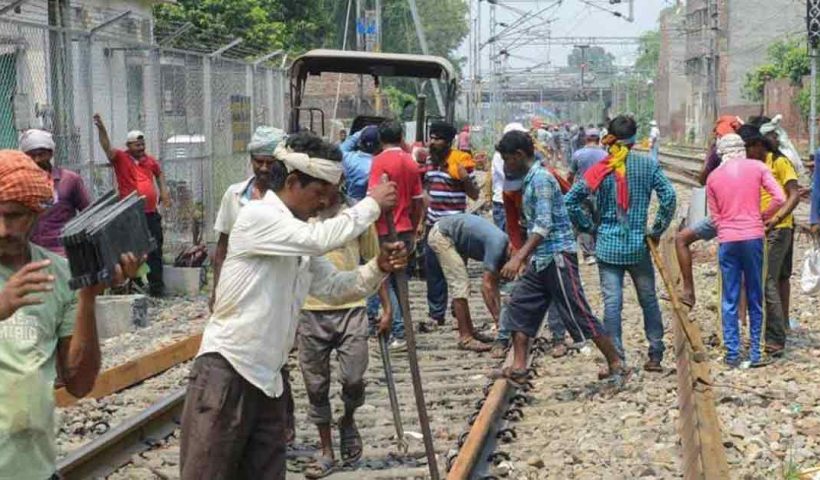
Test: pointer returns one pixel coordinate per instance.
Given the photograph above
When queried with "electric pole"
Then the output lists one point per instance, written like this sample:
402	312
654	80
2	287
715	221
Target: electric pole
813	28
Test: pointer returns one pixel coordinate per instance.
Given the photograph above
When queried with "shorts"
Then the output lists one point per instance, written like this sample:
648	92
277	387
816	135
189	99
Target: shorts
452	264
705	229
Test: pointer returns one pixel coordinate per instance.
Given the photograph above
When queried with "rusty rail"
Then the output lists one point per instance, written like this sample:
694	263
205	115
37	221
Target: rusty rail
703	454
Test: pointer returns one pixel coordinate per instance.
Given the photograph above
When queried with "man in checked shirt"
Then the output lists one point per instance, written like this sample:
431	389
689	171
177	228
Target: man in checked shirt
624	182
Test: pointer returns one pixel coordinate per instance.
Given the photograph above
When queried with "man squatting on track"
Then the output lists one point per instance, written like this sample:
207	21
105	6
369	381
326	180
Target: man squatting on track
549	262
47	331
234	419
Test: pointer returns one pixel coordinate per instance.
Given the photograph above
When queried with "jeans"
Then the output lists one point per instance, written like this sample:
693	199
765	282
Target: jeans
156	286
436	284
499	216
742	262
612	287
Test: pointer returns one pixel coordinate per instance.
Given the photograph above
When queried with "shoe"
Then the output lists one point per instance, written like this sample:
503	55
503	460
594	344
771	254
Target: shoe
427	327
499	349
398	345
474	345
774	350
732	362
761	362
653	366
590	261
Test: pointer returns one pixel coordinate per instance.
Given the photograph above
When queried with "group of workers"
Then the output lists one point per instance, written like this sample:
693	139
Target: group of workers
305	257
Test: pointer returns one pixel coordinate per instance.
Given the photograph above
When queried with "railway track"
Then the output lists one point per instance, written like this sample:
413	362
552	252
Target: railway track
455	385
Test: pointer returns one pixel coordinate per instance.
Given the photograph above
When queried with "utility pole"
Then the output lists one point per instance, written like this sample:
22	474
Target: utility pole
360	33
813	28
423	42
583	49
712	63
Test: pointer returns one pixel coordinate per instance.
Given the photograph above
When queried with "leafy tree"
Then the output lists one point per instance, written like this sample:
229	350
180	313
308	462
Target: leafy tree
785	59
263	25
649	52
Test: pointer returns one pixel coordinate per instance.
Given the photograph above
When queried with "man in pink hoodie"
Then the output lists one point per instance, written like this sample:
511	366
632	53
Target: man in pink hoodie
733	191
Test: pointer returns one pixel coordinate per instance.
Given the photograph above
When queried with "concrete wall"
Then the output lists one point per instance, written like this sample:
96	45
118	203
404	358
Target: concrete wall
753	25
779	99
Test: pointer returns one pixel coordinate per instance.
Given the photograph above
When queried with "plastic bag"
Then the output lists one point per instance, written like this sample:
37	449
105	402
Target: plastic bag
810	277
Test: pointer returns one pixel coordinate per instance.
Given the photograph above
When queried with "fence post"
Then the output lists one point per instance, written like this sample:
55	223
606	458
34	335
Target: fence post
250	72
207	132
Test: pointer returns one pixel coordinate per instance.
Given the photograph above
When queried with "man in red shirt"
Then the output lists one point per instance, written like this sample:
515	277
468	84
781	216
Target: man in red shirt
137	171
400	168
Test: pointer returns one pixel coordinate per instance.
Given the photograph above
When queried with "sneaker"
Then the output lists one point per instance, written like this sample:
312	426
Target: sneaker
398	345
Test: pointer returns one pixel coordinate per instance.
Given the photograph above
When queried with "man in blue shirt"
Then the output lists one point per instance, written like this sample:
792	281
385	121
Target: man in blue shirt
582	160
549	263
357	158
621	238
463	235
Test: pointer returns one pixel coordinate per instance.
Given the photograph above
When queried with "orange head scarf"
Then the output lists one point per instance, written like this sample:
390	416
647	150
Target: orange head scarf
22	181
614	164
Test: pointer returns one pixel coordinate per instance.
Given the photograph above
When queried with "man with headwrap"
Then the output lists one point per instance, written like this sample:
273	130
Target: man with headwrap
261	147
235	415
70	195
357	158
47	331
705	228
624	182
448	182
779	237
135	170
734	194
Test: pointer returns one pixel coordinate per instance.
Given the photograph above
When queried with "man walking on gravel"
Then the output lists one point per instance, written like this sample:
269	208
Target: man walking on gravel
623	183
47	331
549	263
234	419
135	170
261	147
454	238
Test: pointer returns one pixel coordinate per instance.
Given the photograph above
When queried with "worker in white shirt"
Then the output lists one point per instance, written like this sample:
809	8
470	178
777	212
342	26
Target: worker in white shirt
261	147
234	419
654	140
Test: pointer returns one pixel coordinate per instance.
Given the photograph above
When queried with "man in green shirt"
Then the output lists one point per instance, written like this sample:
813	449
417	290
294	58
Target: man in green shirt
46	330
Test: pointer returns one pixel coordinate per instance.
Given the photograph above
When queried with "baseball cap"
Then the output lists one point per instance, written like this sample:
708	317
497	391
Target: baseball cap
593	132
134	135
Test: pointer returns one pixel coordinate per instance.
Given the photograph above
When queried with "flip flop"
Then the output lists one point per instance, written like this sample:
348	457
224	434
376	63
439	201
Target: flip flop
321	467
350	443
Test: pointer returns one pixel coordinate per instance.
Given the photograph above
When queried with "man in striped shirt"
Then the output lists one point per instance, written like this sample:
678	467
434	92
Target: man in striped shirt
447	183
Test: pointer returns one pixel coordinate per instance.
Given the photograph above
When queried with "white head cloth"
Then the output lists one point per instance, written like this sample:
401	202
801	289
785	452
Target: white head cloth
785	144
34	139
320	168
730	147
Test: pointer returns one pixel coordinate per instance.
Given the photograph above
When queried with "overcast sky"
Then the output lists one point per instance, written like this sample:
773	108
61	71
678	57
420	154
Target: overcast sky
572	18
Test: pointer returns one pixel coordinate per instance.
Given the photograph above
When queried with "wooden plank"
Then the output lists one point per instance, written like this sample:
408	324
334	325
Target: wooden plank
134	371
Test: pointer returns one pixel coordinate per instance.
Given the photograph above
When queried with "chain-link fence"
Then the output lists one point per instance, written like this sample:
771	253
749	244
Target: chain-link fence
196	108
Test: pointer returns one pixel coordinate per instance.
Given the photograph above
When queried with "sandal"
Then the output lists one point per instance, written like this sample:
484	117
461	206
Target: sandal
350	443
321	467
774	350
559	350
481	337
653	366
517	377
474	345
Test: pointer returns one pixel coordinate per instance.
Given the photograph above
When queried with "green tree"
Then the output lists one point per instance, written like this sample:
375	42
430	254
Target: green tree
785	59
263	25
649	53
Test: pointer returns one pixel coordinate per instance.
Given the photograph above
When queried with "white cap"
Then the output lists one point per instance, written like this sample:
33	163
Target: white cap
514	127
134	135
35	139
653	123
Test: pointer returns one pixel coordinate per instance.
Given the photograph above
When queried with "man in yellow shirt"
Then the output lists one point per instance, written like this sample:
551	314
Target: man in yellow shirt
325	327
779	246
